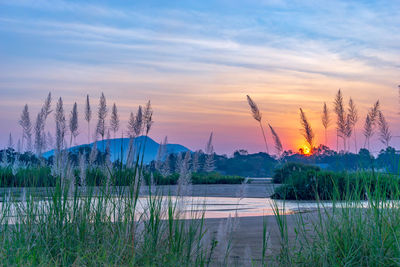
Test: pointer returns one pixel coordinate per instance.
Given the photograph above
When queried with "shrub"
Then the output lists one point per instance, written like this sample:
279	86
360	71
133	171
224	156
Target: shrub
197	178
327	185
215	178
290	168
38	176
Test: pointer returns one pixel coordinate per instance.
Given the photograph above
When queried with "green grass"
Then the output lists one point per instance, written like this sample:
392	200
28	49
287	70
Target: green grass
77	226
196	178
31	176
41	176
70	228
354	232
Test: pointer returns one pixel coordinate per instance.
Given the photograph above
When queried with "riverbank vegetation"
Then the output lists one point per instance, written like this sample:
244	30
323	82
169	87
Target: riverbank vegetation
72	225
307	182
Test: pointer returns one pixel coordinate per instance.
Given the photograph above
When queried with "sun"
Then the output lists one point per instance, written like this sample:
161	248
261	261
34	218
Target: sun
305	150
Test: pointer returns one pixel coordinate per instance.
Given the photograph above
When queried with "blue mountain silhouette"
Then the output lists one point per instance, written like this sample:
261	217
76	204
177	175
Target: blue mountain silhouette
118	144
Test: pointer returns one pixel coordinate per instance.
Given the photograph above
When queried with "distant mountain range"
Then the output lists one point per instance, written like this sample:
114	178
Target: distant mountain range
118	143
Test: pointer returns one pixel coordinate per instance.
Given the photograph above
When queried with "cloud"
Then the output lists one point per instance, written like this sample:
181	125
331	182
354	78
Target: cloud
197	64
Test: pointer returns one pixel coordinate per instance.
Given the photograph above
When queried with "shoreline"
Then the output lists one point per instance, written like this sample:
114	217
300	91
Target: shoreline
256	190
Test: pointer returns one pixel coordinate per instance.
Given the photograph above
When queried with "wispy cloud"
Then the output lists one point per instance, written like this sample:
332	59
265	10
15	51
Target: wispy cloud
201	58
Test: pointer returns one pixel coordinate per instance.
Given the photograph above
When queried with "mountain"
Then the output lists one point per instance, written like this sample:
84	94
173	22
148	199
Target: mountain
118	143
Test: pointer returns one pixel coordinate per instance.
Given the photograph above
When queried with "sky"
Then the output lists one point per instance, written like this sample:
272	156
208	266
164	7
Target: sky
197	60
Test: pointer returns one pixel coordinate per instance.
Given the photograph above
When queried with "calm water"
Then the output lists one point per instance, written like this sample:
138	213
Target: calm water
213	207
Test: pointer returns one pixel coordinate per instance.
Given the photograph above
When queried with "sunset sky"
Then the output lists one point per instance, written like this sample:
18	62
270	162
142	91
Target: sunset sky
197	60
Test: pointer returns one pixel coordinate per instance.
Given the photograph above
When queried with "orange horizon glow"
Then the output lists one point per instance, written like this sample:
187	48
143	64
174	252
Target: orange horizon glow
305	150
197	79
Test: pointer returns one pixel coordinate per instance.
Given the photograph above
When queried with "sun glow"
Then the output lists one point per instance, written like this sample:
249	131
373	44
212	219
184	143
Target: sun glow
305	150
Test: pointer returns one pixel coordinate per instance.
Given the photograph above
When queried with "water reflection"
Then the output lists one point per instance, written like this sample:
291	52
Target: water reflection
189	207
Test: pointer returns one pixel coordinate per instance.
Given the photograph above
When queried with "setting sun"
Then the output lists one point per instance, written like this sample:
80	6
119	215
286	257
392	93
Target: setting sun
305	150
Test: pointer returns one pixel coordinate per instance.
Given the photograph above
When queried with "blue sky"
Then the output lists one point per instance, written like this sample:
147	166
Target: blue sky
196	61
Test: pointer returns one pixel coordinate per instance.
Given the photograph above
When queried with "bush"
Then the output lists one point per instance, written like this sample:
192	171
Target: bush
215	178
197	178
39	176
328	185
158	179
290	168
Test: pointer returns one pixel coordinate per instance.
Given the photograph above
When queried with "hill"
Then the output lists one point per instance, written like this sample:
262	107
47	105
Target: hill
122	144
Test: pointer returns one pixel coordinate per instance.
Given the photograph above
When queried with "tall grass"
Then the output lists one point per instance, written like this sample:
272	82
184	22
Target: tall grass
73	227
354	231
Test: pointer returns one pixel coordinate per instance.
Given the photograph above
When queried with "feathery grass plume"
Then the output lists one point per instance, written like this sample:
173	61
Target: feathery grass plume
38	134
26	125
60	125
131	152
147	115
209	164
93	153
161	152
108	163
138	126
165	168
307	131
257	116
277	141
195	162
135	127
82	170
326	120
46	108
88	115
243	189
374	112
368	130
61	165
149	123
108	142
353	119
10	143
341	118
385	135
73	123
114	121
184	180
370	122
254	109
131	125
45	112
209	146
101	116
349	128
178	162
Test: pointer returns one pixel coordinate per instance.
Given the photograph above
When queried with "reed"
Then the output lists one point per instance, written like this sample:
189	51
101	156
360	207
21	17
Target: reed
277	141
352	121
306	130
384	133
257	116
361	230
341	118
326	119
